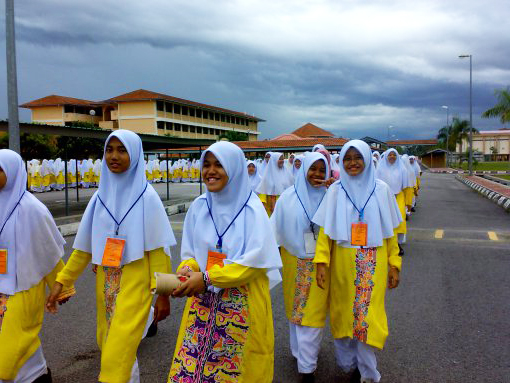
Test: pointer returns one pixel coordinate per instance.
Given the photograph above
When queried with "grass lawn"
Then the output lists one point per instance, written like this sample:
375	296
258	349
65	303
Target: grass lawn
499	165
503	176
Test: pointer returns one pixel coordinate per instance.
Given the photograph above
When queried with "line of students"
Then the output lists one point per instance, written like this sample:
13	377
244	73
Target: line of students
338	249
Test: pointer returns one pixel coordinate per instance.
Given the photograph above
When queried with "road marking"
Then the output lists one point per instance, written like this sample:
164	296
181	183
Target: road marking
439	234
492	236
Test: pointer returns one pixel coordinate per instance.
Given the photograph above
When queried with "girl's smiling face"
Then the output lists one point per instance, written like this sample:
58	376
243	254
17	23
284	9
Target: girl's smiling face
251	169
214	175
353	162
3	179
117	156
392	157
316	173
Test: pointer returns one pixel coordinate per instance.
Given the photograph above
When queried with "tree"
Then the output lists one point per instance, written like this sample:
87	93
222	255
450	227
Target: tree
444	135
502	108
460	131
80	147
234	136
38	146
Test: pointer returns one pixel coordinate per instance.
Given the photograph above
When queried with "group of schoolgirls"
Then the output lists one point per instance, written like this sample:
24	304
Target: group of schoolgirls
335	227
50	174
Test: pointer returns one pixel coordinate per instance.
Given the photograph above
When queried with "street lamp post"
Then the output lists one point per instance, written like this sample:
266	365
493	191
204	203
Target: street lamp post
470	111
389	127
447	134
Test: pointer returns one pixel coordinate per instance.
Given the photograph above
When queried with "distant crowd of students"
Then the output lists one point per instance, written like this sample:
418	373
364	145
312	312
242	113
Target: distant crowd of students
329	226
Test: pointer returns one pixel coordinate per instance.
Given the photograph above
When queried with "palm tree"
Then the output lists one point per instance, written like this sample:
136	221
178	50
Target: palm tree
445	135
502	108
460	131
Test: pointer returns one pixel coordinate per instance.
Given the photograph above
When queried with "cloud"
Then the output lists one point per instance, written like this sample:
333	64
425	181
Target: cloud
348	66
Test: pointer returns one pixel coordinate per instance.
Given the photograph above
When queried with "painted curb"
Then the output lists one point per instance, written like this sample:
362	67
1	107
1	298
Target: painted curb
72	228
495	197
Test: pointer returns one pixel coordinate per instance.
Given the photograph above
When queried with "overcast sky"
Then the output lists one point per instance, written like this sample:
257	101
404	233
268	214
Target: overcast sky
349	66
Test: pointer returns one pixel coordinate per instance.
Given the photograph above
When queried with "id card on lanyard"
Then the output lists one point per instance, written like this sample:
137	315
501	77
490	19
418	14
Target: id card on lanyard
215	258
113	251
3	260
115	243
359	231
3	248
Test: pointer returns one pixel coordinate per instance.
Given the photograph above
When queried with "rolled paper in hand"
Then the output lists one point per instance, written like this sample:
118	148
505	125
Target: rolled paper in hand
166	283
66	294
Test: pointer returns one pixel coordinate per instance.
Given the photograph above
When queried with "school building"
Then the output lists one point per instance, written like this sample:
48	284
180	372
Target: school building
146	112
494	145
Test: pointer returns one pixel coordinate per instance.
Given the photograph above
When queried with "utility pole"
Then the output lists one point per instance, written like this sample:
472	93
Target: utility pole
12	82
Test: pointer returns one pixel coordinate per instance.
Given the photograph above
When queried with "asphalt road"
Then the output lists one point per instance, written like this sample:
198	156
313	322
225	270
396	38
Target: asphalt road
448	318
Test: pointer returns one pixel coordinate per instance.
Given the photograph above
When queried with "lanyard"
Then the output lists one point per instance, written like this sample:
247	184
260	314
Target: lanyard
125	215
362	211
303	206
9	216
220	237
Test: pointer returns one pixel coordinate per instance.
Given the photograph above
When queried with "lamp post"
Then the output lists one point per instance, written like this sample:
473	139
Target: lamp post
12	78
447	134
470	111
389	127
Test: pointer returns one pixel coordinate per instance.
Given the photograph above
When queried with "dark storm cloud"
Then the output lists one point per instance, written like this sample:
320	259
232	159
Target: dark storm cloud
350	67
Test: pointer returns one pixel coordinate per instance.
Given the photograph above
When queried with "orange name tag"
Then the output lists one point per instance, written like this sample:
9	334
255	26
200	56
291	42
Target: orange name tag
215	258
3	261
359	234
113	250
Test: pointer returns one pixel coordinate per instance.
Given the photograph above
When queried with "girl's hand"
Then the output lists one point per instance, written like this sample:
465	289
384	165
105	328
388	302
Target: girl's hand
321	275
161	308
51	301
393	278
192	287
184	272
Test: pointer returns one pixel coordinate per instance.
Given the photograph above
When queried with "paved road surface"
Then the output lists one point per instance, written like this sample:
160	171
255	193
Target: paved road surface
448	319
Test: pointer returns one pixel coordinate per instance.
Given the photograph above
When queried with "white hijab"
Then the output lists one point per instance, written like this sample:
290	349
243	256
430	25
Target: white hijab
274	179
336	212
289	220
300	159
395	175
334	165
415	166
242	243
145	228
255	178
318	147
33	241
410	171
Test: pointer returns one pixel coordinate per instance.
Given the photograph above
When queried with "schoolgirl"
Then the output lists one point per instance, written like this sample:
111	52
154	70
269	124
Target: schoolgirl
275	180
305	303
392	171
357	254
253	175
125	232
226	332
31	248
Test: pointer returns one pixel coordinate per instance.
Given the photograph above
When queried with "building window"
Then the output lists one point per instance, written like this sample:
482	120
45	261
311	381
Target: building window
192	112
192	129
206	131
168	106
169	126
216	116
246	122
222	117
199	113
184	110
217	132
160	106
161	124
177	127
228	119
237	120
199	129
177	109
68	109
185	128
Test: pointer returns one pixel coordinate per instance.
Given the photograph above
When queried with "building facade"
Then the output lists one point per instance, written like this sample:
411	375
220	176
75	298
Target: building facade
494	145
146	112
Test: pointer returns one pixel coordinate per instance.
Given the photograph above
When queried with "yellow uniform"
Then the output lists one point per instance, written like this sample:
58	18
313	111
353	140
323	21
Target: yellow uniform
21	319
358	280
123	303
227	336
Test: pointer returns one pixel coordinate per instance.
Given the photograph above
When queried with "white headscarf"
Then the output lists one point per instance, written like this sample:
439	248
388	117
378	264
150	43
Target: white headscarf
395	175
254	178
274	179
33	241
318	147
334	165
242	243
410	171
299	158
145	228
289	220
415	166
336	212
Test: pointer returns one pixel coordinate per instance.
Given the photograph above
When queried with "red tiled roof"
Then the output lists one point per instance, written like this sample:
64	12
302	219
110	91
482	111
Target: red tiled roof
287	136
55	100
142	94
412	142
310	130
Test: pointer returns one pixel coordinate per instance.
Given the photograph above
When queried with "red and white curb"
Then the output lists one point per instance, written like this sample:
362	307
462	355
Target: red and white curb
495	197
